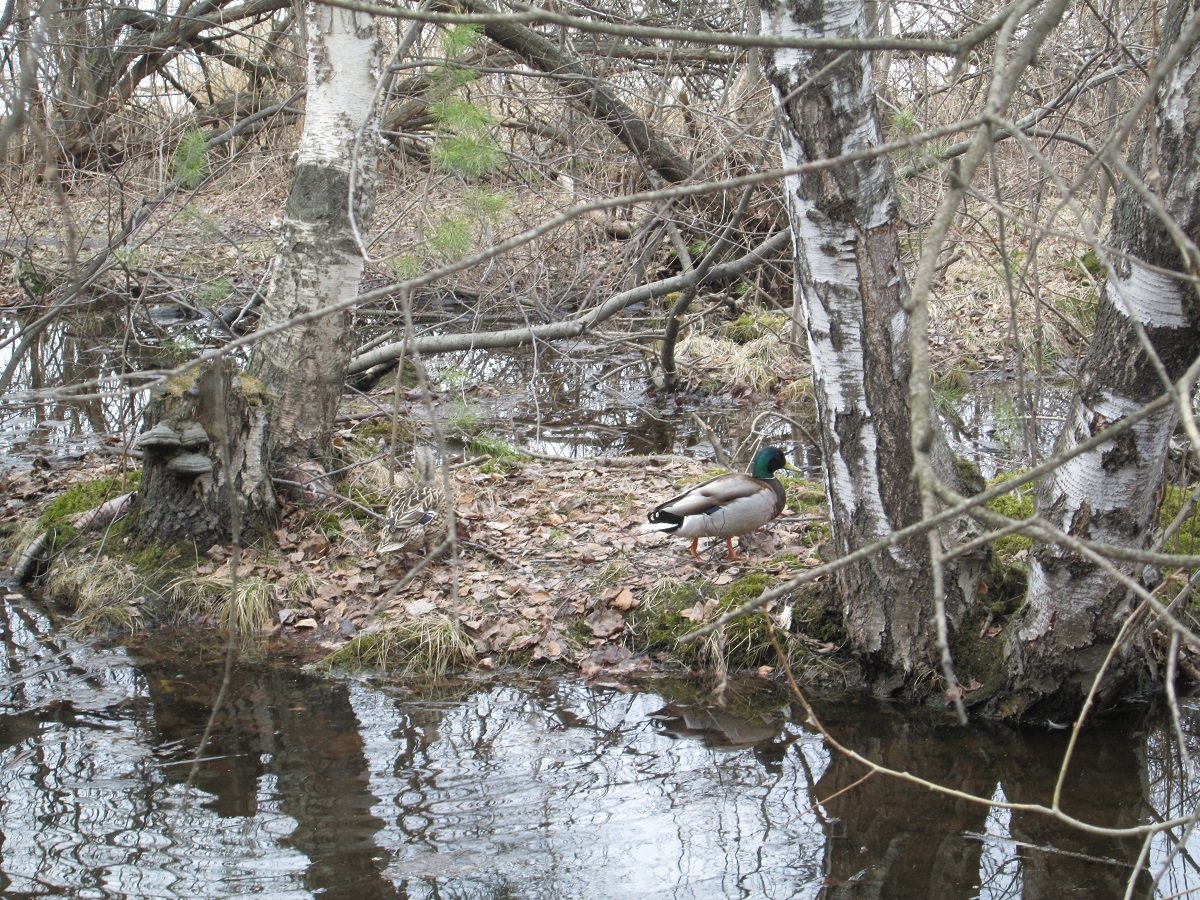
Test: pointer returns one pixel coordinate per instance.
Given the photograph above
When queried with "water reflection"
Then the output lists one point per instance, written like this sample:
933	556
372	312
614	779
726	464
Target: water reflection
575	401
533	788
556	790
57	426
580	400
584	401
990	427
879	848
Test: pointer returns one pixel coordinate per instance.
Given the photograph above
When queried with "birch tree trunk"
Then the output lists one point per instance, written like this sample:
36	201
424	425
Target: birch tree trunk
318	265
1074	608
850	291
213	442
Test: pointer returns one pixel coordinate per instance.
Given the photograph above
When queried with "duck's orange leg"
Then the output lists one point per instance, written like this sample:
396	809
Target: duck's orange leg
695	544
733	554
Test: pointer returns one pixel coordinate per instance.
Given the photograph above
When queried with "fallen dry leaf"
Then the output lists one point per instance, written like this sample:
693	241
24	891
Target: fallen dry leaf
418	608
624	600
605	623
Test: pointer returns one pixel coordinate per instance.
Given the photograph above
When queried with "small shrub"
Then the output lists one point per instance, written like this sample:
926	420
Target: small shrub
190	161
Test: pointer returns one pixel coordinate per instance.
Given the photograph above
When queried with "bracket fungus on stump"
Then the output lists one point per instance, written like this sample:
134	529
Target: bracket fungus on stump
206	432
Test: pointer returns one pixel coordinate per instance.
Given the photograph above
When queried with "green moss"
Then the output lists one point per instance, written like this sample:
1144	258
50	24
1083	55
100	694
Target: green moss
672	609
80	498
254	390
968	470
657	625
375	430
501	456
1017	504
180	385
978	654
579	633
151	561
1187	539
745	588
1003	585
406	371
813	615
750	326
329	524
804	496
1090	263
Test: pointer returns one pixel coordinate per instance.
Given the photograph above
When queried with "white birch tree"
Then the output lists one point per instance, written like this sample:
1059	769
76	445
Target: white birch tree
850	293
319	264
882	449
283	424
1147	335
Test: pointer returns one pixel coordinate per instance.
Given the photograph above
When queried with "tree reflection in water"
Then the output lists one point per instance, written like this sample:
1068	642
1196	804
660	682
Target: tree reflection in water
530	788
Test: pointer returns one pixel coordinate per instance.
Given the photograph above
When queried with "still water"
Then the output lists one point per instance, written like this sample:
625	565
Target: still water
543	788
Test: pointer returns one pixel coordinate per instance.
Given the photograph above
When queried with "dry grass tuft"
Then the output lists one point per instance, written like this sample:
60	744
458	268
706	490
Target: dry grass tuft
246	613
105	595
430	645
755	365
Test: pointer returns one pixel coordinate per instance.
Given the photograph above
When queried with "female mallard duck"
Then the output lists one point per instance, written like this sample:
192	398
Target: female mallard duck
416	512
727	506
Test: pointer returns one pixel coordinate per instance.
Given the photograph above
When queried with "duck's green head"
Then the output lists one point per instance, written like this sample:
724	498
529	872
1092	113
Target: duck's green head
767	460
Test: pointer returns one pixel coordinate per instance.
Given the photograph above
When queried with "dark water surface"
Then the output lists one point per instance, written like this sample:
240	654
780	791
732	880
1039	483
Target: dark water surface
547	788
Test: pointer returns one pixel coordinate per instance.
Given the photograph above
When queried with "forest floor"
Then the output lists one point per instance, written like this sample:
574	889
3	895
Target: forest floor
551	569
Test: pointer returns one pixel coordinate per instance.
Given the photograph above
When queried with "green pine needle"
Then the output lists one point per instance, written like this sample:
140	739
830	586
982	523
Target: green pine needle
190	162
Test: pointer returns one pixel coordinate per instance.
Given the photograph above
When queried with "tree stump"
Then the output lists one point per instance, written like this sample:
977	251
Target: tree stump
204	455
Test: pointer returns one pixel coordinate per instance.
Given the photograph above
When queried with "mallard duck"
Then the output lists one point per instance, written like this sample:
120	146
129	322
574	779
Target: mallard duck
727	506
416	512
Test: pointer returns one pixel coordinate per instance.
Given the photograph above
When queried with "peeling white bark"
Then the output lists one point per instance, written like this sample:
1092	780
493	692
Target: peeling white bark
850	293
841	19
1091	496
1074	609
1147	295
317	266
343	70
830	296
1088	479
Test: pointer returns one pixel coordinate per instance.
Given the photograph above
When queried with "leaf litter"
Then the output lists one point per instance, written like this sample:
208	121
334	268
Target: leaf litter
550	560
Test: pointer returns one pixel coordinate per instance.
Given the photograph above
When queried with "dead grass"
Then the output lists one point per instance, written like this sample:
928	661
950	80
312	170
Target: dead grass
756	365
247	612
971	319
433	645
104	594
